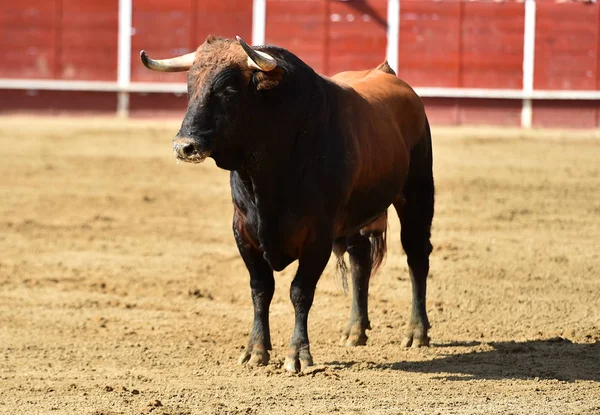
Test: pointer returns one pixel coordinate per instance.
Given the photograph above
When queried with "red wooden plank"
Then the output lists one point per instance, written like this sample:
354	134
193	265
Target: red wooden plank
57	102
28	39
357	35
566	55
597	68
454	111
429	43
441	111
163	29
227	18
89	40
299	26
559	114
157	105
503	112
492	45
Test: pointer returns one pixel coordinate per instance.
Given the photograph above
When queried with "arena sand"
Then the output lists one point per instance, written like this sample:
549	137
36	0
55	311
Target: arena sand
121	289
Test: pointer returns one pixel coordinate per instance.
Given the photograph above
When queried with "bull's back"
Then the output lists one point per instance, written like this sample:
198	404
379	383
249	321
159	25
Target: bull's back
389	98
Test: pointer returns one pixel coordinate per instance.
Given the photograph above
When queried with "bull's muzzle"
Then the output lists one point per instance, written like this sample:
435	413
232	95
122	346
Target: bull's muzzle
187	149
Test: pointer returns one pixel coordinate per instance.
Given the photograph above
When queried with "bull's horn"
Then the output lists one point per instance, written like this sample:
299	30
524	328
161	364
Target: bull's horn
257	59
178	64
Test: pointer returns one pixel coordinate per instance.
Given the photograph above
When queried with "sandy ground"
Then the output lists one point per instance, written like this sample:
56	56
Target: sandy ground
121	289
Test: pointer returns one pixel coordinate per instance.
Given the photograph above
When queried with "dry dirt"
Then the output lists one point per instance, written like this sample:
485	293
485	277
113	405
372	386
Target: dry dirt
121	289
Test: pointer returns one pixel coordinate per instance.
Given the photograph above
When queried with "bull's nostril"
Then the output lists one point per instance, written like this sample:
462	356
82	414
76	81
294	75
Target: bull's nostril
187	150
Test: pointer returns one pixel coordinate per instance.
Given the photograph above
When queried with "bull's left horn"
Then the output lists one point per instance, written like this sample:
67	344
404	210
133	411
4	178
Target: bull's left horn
257	59
178	64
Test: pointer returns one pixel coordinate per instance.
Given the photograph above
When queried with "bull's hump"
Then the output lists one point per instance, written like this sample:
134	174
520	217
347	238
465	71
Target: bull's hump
386	68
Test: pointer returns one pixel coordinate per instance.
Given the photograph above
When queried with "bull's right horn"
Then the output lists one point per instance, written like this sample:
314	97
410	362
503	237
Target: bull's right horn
178	64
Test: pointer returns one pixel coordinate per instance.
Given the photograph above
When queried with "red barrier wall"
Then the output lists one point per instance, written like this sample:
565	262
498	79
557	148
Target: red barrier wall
443	43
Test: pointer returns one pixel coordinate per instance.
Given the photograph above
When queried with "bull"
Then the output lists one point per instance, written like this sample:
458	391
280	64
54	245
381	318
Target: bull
315	163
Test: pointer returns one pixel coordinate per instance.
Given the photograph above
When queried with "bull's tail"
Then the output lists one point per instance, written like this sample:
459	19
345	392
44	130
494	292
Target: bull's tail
378	250
339	249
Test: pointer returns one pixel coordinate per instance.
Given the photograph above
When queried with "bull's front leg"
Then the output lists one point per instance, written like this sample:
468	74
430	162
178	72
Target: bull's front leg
311	264
262	285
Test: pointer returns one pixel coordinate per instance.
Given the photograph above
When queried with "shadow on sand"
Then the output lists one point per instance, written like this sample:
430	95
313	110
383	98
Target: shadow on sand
557	358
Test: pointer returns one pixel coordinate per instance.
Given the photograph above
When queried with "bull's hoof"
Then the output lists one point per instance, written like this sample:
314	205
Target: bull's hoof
354	339
355	335
298	362
258	356
415	341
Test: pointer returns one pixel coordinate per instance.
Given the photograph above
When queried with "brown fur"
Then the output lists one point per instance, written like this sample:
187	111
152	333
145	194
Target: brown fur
216	53
382	141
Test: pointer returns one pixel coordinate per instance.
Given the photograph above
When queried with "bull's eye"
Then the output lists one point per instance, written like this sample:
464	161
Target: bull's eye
228	91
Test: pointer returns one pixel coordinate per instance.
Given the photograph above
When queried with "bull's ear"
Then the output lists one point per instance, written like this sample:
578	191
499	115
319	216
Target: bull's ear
263	81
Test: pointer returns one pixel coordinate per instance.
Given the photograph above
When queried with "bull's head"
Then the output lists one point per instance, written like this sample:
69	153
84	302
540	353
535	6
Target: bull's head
226	79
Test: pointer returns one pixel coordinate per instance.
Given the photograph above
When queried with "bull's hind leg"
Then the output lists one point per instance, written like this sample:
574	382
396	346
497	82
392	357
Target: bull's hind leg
359	250
416	214
262	285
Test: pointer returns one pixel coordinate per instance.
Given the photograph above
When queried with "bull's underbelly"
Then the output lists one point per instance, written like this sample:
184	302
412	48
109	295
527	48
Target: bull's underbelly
365	208
376	227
